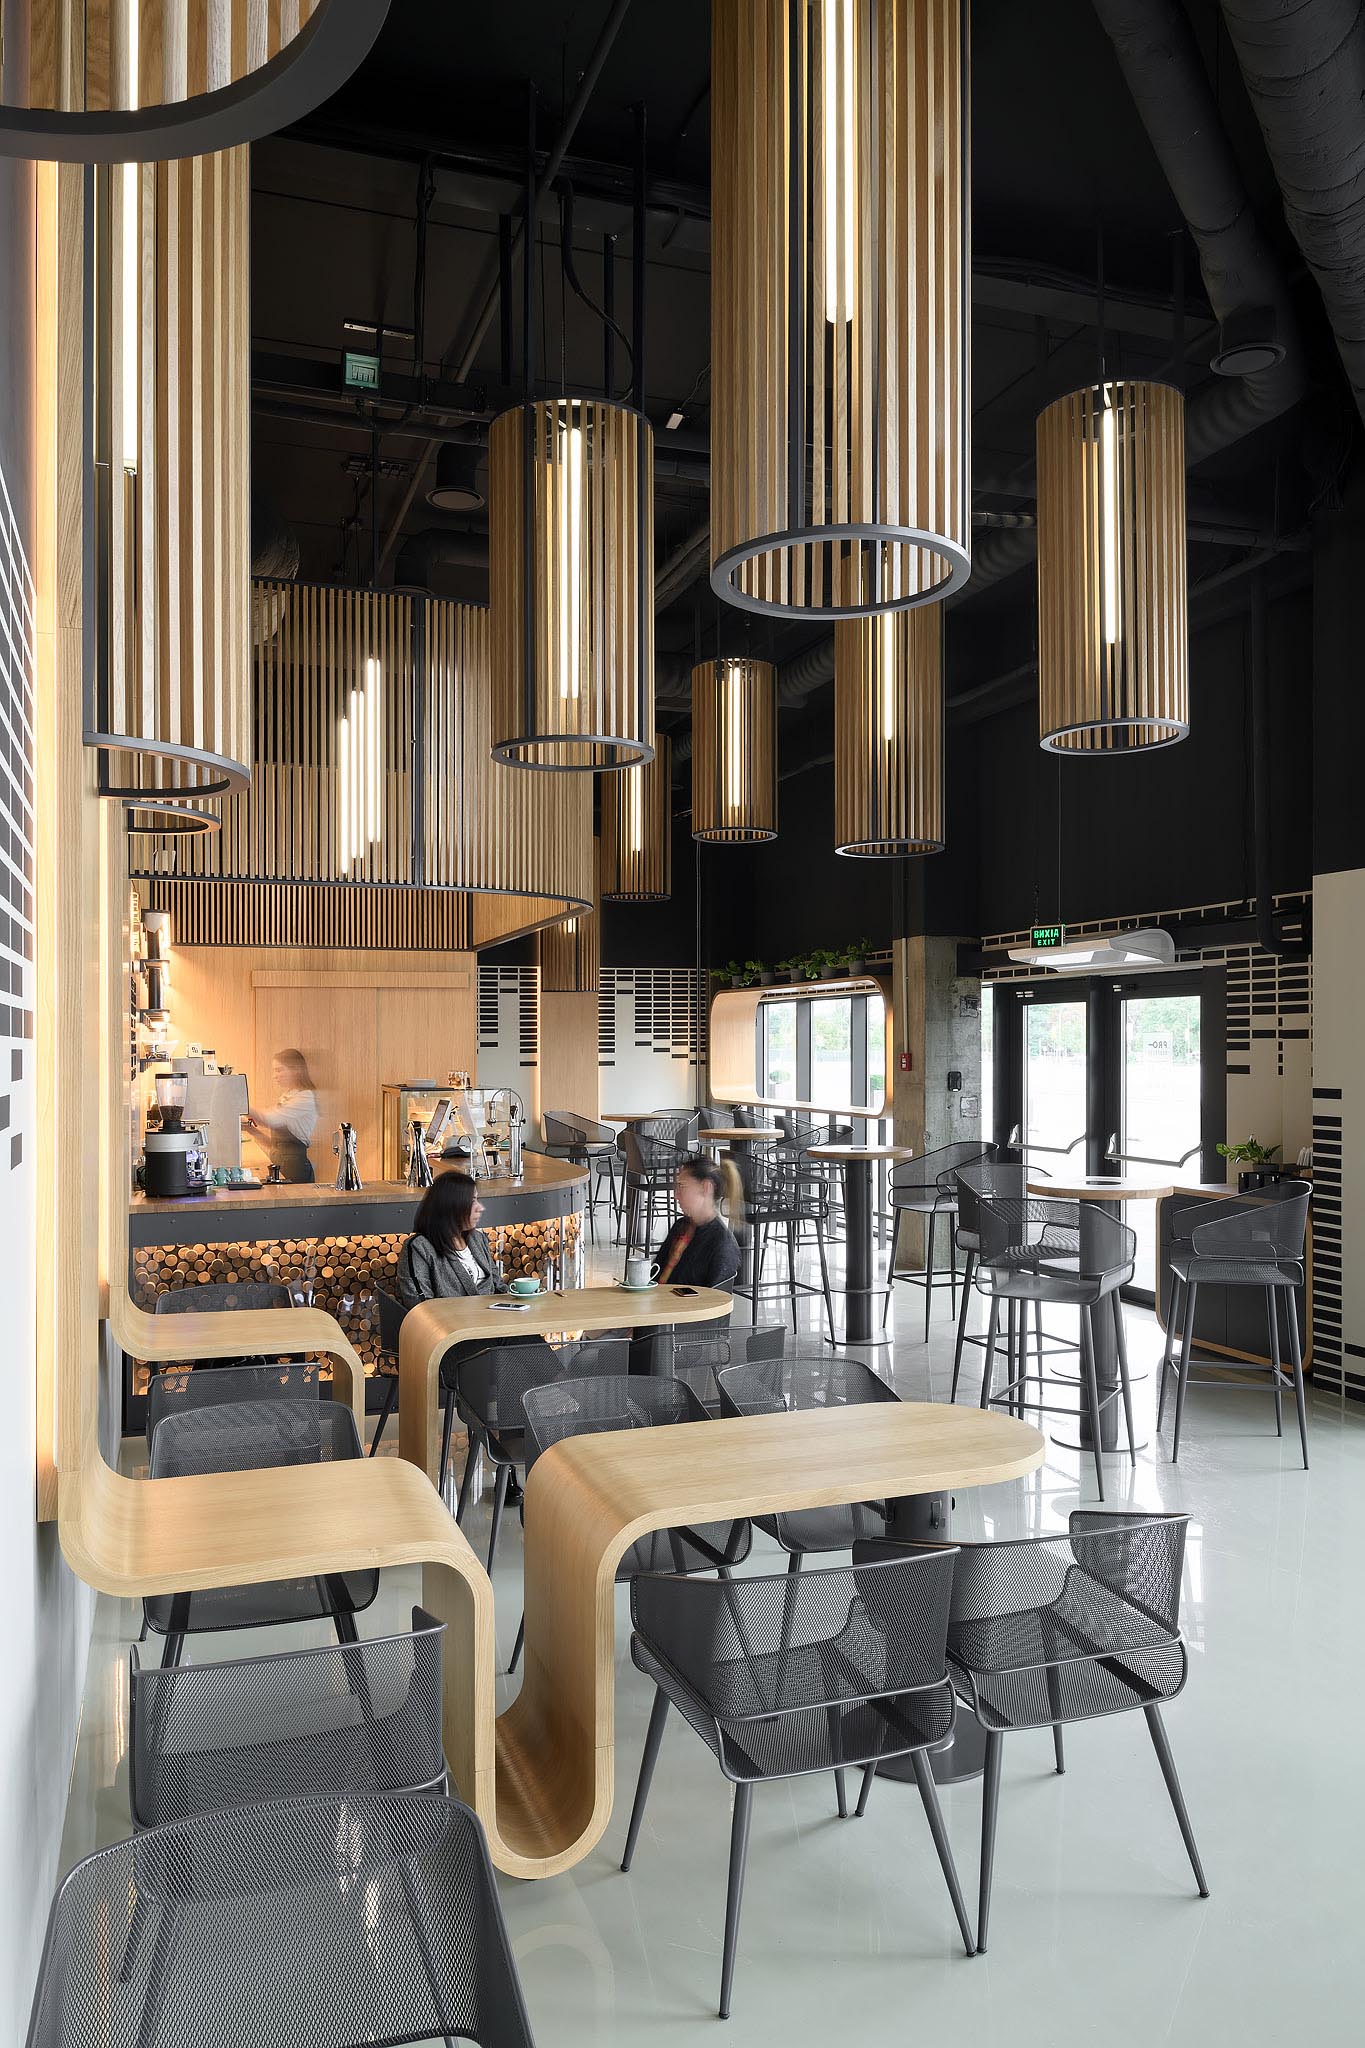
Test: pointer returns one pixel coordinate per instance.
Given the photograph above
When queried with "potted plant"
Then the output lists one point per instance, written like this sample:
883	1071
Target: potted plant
731	972
824	966
1256	1164
856	956
794	969
756	975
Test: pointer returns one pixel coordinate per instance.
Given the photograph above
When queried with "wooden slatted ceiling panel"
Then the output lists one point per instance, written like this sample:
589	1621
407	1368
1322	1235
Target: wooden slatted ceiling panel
79	49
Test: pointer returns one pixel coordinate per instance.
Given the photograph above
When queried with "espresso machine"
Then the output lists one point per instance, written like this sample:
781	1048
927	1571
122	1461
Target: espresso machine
175	1152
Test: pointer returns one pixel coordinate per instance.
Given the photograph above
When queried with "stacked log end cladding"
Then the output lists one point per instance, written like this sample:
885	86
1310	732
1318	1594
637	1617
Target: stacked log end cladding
339	1274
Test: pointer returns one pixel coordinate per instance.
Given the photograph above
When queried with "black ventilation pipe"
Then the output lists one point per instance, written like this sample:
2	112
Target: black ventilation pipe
1304	69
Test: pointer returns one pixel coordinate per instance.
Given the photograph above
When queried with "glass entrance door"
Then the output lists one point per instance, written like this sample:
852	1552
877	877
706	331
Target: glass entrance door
1160	1099
1055	1051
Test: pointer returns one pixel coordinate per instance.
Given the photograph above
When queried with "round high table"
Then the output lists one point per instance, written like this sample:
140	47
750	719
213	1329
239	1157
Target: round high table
1105	1194
857	1162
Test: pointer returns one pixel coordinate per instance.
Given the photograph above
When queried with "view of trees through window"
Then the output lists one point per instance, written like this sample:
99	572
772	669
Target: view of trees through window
826	1050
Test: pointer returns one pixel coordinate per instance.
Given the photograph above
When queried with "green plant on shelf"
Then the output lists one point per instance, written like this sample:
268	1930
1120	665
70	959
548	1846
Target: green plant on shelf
755	974
1249	1153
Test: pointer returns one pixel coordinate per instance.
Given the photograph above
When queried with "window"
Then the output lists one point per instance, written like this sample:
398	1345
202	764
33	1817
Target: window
1054	1075
778	1072
987	1063
876	1048
831	1052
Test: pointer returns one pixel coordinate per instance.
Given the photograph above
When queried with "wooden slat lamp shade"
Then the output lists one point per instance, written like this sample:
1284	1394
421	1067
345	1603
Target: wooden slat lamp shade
637	830
571	584
172	699
1113	637
734	751
126	81
571	952
839	299
374	774
888	734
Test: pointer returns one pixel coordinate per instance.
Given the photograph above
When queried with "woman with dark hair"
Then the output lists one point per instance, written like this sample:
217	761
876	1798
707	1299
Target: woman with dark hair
447	1253
700	1250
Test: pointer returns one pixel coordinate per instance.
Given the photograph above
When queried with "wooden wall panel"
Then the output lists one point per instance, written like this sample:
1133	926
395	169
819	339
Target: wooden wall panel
569	1071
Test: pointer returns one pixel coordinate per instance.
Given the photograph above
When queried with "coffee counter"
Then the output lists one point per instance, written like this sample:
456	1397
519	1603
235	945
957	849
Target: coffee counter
333	1247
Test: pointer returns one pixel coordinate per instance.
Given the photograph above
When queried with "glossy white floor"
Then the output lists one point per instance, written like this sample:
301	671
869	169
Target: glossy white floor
1097	1932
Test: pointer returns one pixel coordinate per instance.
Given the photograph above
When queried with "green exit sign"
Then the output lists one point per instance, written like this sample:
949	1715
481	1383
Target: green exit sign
1045	935
360	373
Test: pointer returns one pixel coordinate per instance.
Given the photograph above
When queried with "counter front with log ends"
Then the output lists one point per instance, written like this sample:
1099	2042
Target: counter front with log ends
333	1247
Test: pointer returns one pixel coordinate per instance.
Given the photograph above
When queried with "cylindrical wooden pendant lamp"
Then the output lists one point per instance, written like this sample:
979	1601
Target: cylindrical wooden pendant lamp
172	699
1113	648
734	751
571	952
129	81
888	734
637	831
840	277
571	584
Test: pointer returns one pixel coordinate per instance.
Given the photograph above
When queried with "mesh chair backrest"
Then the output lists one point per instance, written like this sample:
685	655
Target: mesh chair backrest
718	1119
1038	1232
250	1436
660	1155
563	1131
594	1355
181	1388
247	1294
932	1172
597	1134
679	1131
745	1119
882	1628
391	1314
987	1180
295	1723
493	1384
798	1130
1259	1229
698	1359
292	1906
770	1386
1136	1557
596	1407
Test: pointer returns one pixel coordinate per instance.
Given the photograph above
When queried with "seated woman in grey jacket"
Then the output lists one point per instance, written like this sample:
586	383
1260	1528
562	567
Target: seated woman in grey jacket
447	1253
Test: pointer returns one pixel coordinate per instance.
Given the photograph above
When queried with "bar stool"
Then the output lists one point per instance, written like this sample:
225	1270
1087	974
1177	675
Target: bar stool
990	1180
777	1386
1251	1242
585	1143
779	1197
1072	1255
927	1187
651	1164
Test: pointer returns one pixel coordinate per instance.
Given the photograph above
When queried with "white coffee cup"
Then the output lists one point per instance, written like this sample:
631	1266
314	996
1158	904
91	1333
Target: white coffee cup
640	1271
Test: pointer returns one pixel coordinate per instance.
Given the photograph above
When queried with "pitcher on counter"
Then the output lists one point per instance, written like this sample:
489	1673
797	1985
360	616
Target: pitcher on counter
286	1131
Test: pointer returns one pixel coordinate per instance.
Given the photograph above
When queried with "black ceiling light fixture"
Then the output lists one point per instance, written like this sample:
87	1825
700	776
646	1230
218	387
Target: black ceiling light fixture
456	487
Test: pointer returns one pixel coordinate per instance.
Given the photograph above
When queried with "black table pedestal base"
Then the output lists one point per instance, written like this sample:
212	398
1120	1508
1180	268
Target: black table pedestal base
928	1518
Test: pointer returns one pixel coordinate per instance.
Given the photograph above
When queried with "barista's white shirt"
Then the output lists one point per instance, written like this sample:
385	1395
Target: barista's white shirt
296	1112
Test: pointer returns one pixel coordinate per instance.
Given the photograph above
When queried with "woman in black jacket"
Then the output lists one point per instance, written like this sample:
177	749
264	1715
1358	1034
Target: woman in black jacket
700	1249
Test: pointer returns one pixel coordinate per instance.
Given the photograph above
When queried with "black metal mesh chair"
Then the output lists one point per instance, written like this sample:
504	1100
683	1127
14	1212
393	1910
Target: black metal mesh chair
488	1396
774	1386
215	1298
782	1677
1053	1629
249	1436
697	1359
927	1187
302	1924
363	1717
651	1163
1070	1254
180	1389
391	1314
605	1405
780	1198
1253	1242
585	1142
985	1180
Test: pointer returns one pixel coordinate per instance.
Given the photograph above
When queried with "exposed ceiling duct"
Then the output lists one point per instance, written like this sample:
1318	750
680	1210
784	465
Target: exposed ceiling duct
1304	69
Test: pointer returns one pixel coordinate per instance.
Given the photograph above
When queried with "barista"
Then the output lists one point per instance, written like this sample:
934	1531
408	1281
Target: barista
286	1131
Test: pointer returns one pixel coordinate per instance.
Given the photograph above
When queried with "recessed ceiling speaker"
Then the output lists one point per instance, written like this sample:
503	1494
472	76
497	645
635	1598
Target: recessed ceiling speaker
456	488
1247	343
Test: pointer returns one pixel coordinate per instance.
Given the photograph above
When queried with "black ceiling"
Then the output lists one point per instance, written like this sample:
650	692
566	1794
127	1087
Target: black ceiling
1058	154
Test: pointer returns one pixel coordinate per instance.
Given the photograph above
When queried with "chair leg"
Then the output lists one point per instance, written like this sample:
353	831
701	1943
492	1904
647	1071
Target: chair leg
1167	1354
968	1272
447	1429
1121	1347
1183	1370
869	1773
1058	1749
931	1220
517	1645
467	1480
390	1396
1092	1393
824	1277
1156	1728
1296	1359
658	1714
988	1368
933	1812
499	1502
990	1809
1272	1315
739	1856
791	1267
